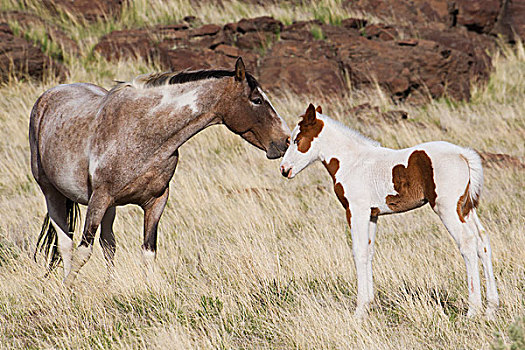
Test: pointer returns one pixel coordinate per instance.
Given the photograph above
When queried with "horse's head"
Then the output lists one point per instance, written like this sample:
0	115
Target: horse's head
304	148
248	113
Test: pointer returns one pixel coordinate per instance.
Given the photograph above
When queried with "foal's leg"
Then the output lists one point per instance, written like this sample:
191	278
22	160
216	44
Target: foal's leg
56	208
485	254
152	213
372	227
467	242
107	239
97	207
359	229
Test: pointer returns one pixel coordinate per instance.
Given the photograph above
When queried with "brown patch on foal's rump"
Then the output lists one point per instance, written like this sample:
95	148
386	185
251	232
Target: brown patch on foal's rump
414	183
309	128
466	204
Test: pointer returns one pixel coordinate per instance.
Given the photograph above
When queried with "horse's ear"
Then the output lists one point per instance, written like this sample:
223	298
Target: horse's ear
240	70
309	116
319	109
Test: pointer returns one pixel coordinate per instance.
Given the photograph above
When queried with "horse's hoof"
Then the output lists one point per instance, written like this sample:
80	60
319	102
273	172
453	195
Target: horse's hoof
68	281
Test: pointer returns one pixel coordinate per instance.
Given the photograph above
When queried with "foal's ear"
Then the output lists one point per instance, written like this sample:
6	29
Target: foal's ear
319	109
240	70
309	116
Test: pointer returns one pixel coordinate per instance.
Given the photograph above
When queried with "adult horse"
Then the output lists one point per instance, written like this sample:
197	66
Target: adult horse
104	149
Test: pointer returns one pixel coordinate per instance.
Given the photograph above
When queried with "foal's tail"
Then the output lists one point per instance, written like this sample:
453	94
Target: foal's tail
475	175
47	242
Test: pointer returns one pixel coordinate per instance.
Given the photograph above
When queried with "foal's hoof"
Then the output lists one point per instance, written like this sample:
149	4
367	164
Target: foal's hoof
490	313
360	314
472	312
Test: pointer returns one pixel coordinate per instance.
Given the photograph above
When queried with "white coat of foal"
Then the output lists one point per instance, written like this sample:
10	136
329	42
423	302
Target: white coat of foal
370	180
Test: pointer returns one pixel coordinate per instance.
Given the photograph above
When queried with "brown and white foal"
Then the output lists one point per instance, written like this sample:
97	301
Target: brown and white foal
370	180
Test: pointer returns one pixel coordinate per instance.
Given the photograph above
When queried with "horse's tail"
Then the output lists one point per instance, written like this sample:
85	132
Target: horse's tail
47	242
475	175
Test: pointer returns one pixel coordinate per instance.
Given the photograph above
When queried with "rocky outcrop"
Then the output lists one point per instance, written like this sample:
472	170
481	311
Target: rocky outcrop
506	17
310	57
20	58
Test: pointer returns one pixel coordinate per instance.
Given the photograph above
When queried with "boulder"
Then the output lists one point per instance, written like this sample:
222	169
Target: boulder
476	15
130	43
301	67
511	21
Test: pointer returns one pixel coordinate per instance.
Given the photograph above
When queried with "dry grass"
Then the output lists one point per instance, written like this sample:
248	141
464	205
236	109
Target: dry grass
250	260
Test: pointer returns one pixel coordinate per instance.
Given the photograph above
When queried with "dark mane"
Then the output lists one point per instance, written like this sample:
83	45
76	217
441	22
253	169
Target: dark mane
169	78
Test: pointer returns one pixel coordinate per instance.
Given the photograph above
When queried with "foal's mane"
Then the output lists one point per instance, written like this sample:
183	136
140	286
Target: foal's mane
351	133
145	81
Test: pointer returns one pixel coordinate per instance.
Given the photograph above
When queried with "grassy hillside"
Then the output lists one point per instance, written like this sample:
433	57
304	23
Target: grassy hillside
248	259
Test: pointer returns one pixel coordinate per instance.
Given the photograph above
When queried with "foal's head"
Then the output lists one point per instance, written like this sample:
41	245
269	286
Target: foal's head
305	143
247	112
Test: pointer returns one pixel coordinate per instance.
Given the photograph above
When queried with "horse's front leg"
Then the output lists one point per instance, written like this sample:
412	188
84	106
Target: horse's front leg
359	225
97	207
152	212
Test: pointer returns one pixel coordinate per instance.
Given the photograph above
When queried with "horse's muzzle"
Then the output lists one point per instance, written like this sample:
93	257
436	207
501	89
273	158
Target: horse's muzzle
277	149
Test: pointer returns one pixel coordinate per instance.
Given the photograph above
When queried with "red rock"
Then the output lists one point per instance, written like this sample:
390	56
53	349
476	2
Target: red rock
133	43
28	21
511	21
302	68
208	29
500	160
91	10
229	50
20	58
477	15
380	31
261	24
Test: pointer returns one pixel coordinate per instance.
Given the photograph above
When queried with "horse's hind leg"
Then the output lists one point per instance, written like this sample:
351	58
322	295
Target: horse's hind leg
152	213
107	239
372	228
57	208
485	254
467	243
97	207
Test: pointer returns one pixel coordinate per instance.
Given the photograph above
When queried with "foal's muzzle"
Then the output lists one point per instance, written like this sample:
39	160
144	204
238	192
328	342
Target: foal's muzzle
286	172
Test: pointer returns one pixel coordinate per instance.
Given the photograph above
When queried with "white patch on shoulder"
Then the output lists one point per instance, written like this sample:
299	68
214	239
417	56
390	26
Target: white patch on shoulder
177	101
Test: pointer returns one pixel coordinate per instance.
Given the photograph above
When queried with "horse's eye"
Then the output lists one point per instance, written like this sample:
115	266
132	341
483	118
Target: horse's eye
295	142
257	101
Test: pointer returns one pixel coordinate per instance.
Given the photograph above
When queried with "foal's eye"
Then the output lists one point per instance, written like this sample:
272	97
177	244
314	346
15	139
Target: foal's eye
295	142
257	101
